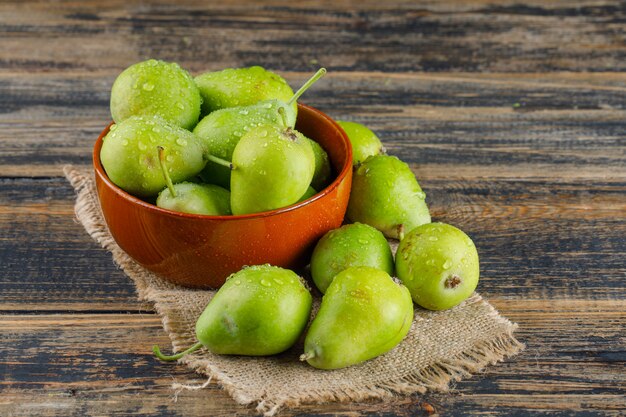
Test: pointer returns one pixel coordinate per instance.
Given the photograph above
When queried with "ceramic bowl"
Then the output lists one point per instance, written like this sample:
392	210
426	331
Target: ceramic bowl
201	251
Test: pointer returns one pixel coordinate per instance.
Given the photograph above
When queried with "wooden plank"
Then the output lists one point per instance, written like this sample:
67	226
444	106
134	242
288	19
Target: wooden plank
90	363
510	114
536	239
473	36
448	125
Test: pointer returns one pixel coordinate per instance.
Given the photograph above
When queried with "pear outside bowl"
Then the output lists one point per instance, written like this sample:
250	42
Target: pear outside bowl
201	251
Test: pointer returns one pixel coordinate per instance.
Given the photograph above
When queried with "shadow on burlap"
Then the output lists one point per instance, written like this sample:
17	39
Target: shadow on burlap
441	346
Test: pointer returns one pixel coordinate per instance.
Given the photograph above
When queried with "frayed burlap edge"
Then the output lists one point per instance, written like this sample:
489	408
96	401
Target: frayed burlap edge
434	377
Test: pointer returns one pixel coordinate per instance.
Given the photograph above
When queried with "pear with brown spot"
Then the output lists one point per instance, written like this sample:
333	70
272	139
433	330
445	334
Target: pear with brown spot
439	265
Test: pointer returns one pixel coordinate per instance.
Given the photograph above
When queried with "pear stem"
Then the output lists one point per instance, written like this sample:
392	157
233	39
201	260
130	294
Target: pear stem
166	174
306	356
221	162
166	358
283	117
319	74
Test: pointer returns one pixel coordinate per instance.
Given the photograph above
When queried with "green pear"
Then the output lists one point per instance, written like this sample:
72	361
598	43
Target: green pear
189	197
386	195
351	245
364	142
130	154
363	314
156	88
222	129
241	87
323	171
272	167
310	192
260	310
439	265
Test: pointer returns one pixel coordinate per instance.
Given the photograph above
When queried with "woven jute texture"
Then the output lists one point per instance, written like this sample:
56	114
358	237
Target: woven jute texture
441	346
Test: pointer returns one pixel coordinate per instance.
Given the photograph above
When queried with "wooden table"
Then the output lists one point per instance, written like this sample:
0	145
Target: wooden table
512	116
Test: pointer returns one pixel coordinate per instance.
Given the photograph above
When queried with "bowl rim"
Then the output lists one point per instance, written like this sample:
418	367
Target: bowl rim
346	168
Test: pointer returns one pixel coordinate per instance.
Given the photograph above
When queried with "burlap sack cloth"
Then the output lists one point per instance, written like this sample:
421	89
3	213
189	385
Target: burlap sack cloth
441	346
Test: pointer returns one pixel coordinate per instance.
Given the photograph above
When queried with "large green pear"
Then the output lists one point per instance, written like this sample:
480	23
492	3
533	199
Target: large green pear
354	244
156	88
439	265
241	87
386	195
272	167
260	310
130	154
363	314
221	130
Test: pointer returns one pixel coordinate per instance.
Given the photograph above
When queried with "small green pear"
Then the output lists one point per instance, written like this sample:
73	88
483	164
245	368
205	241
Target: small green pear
386	195
351	245
439	265
272	167
260	310
156	88
323	171
221	130
364	142
189	197
241	87
363	314
130	154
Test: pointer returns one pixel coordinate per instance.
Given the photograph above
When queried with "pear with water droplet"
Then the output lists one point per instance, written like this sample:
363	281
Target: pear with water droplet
221	130
272	167
323	172
439	265
156	88
130	154
189	197
386	195
260	310
363	314
364	142
351	245
241	87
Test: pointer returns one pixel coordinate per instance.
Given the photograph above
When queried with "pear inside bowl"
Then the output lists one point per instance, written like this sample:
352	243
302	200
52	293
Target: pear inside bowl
201	251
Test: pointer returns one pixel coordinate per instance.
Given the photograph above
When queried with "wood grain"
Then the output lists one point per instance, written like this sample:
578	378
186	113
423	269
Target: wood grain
511	114
71	361
449	125
474	36
535	239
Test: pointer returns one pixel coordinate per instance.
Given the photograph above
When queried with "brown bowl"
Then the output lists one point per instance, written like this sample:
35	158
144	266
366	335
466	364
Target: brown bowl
201	251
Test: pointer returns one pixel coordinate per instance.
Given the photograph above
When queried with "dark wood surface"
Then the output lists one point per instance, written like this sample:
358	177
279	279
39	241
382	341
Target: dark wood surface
511	114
